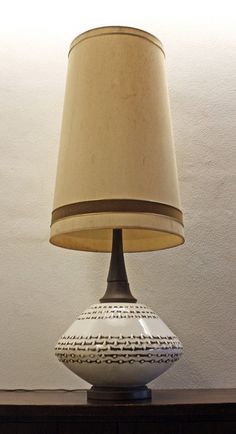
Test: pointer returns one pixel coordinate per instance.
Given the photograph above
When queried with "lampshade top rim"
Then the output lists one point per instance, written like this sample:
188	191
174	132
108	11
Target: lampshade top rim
121	30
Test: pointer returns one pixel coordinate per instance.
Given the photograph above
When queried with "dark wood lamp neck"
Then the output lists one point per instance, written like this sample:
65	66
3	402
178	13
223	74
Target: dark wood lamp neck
117	283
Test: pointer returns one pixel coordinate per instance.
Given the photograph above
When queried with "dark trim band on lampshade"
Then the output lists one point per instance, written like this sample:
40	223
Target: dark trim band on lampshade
116	205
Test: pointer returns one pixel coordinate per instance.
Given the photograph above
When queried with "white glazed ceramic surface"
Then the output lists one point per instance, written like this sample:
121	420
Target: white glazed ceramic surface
118	344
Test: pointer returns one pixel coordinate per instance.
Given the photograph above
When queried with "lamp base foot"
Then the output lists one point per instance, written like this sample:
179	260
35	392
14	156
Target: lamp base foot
119	393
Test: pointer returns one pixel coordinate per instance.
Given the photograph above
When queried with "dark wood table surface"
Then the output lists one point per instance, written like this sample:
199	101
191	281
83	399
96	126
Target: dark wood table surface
180	411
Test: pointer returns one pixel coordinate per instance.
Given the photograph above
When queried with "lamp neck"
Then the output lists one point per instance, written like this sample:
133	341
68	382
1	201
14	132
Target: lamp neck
117	283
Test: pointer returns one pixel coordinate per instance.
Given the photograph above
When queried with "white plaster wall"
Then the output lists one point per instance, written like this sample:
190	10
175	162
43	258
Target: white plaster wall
44	287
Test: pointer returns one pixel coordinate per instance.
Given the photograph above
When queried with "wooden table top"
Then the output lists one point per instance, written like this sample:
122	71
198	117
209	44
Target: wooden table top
74	403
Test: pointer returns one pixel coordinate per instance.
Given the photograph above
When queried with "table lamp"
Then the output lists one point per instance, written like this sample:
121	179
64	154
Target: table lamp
117	191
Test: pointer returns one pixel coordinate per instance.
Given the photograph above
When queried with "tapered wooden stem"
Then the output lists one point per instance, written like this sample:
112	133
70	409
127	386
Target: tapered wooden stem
117	283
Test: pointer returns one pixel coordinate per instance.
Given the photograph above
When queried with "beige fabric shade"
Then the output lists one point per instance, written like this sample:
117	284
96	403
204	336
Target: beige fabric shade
116	166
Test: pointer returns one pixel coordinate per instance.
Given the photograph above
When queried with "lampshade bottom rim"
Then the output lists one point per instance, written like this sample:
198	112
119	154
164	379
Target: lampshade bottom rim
71	242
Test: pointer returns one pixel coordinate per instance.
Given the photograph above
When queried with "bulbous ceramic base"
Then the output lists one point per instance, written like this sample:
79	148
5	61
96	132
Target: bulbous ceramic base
118	345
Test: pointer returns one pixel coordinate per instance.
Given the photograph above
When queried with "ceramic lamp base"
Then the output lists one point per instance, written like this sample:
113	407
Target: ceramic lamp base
118	348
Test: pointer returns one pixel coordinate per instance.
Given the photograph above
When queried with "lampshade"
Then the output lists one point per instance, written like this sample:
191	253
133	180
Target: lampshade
116	166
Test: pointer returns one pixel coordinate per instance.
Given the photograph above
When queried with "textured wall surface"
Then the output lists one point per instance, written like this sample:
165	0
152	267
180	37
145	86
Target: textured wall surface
192	287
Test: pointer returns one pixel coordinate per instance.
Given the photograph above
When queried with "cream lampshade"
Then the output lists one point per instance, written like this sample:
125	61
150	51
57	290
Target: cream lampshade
116	166
117	176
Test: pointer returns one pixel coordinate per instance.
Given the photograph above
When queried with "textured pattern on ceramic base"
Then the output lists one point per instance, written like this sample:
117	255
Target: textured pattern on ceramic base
117	310
118	344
